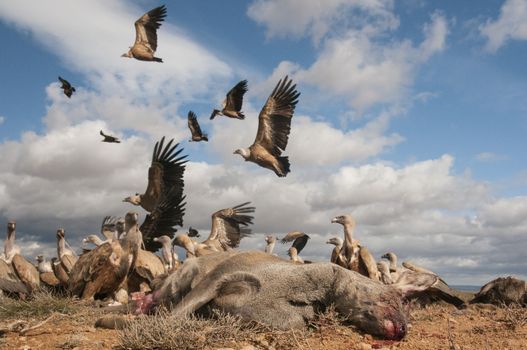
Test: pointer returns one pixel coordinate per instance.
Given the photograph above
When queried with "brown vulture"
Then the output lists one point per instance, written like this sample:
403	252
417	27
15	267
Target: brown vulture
337	242
109	138
274	126
195	130
299	242
10	248
66	86
229	226
232	105
146	35
66	255
166	171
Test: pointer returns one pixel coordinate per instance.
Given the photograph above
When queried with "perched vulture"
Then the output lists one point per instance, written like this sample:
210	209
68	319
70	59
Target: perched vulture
10	248
9	281
274	125
229	226
161	221
354	256
166	171
46	274
100	272
146	35
195	129
60	272
66	255
335	254
66	86
232	105
299	242
168	255
109	138
26	272
270	240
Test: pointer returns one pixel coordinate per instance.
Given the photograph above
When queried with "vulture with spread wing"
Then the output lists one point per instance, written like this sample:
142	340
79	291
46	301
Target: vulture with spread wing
229	226
66	86
299	240
109	138
232	105
161	221
146	28
274	125
193	125
166	171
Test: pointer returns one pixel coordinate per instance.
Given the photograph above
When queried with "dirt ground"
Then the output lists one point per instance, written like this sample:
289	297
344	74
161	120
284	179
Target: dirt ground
434	327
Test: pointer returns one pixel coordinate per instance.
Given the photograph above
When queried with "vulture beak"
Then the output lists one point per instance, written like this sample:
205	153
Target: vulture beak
328	241
124	55
334	220
155	239
235	152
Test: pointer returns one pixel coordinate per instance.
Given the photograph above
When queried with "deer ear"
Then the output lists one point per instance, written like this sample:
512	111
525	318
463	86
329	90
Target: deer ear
410	282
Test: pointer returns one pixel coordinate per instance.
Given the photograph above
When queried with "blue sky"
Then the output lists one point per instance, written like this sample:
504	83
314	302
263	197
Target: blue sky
412	117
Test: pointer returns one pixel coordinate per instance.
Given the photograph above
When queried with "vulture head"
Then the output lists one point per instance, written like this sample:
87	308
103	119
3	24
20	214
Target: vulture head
163	239
40	258
390	256
336	241
60	233
244	152
185	242
344	220
128	54
91	239
135	199
131	218
119	226
270	239
11	225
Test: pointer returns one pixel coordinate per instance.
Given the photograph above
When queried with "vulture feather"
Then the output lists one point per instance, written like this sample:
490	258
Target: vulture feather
274	126
146	28
192	232
299	240
109	138
166	171
232	105
26	272
229	226
66	86
195	130
161	221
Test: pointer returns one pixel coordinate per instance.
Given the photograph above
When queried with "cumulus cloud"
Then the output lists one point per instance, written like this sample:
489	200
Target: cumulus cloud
510	25
489	157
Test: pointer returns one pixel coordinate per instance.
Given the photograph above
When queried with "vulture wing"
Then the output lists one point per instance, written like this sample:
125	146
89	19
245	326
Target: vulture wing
146	27
65	84
165	172
161	221
108	226
234	98
274	121
300	240
192	232
193	124
229	225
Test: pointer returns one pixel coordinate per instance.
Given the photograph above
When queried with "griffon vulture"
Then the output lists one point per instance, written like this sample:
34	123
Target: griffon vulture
270	242
166	171
355	257
47	276
232	105
10	248
299	242
66	255
100	272
274	125
146	27
229	226
335	254
26	272
168	254
195	130
109	138
66	86
9	281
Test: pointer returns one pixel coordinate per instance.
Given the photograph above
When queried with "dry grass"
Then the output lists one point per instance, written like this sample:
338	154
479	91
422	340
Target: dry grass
515	316
41	304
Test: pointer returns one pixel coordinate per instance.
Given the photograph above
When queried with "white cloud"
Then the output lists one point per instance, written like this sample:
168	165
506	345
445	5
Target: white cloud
2	120
489	157
510	25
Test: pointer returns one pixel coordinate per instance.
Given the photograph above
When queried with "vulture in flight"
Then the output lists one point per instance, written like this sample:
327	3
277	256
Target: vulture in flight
229	226
299	242
109	138
146	35
274	125
232	105
166	171
66	86
193	125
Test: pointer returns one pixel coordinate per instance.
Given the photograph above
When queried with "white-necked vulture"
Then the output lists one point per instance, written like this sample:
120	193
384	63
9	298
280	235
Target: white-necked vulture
195	130
10	248
66	255
274	126
109	138
335	254
232	105
146	28
66	86
229	226
166	171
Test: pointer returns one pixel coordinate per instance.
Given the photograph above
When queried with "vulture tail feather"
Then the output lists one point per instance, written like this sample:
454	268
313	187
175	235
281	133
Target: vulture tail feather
284	164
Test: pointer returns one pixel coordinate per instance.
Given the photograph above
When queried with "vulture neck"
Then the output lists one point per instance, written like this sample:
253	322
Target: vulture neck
133	238
96	240
269	248
61	247
393	262
348	236
9	243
